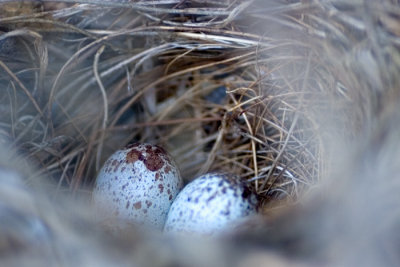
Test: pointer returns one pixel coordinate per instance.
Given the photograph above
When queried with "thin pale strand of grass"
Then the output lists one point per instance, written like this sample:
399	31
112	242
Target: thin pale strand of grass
220	23
105	102
20	84
141	7
210	160
253	143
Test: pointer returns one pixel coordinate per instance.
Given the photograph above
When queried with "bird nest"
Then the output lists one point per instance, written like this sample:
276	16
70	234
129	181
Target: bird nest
230	86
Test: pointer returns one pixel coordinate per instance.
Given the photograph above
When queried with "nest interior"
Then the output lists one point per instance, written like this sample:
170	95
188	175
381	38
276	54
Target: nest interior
231	86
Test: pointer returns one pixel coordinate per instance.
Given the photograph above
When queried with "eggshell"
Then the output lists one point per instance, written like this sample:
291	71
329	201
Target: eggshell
211	204
136	185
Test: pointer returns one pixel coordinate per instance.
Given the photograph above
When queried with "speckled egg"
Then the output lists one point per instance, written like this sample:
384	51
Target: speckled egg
211	204
136	185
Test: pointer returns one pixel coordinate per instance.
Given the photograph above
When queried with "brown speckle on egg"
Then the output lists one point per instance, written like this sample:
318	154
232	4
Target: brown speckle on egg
138	205
133	155
160	150
153	161
167	169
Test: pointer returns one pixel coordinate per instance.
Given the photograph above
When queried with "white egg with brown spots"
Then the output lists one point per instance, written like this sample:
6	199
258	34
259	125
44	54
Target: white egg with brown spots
136	185
211	204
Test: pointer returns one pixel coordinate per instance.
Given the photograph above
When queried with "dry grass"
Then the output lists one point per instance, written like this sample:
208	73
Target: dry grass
207	80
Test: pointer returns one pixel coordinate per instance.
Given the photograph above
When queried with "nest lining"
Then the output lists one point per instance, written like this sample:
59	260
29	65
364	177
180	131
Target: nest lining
205	80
